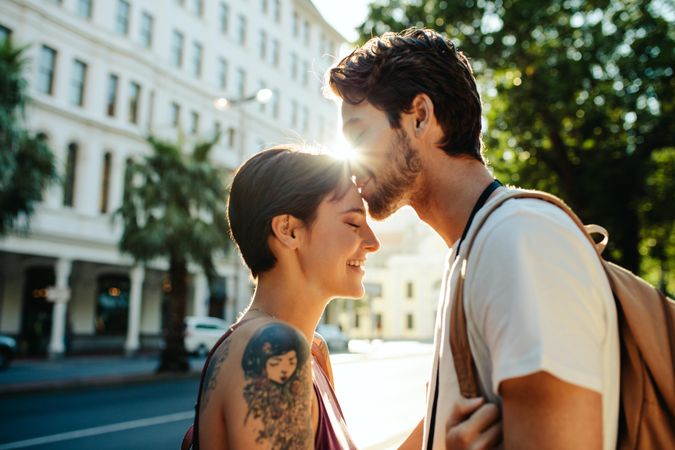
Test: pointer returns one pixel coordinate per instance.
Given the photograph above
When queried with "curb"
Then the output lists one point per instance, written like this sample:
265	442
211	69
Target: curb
76	383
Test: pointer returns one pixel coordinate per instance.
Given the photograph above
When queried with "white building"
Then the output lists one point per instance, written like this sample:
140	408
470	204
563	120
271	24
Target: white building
102	75
402	281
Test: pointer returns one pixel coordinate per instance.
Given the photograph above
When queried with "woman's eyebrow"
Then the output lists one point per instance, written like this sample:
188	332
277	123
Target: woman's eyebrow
357	210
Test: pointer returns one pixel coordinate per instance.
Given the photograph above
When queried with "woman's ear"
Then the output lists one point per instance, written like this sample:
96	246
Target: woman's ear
285	228
422	112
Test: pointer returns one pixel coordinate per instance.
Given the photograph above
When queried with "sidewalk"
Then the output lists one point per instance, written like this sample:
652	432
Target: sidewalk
41	375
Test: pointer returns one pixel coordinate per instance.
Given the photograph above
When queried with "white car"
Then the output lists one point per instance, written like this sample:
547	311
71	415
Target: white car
202	333
336	339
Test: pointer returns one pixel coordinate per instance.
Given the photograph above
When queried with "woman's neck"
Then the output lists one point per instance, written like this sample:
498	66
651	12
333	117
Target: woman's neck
287	300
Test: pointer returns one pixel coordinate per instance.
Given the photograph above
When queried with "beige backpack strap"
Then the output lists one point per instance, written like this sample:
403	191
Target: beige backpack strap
465	366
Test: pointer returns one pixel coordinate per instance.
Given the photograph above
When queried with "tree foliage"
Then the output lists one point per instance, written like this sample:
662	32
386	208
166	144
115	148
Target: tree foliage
174	208
26	162
579	101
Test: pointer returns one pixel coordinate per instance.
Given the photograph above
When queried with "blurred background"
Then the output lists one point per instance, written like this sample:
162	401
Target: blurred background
121	122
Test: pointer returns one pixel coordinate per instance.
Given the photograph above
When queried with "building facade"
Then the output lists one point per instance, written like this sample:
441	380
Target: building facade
104	74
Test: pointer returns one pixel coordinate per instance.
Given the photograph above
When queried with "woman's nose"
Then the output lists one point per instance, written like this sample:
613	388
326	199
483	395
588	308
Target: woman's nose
370	242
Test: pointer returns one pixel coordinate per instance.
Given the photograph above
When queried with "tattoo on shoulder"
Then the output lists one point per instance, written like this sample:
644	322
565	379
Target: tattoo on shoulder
275	391
212	370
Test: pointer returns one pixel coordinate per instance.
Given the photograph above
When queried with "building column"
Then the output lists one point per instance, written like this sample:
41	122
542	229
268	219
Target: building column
230	299
60	295
243	296
137	275
201	295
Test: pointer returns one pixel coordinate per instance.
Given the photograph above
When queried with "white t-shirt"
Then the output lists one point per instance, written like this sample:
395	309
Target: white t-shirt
536	299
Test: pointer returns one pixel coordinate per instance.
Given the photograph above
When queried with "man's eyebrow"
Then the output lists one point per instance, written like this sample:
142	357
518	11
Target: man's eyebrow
357	210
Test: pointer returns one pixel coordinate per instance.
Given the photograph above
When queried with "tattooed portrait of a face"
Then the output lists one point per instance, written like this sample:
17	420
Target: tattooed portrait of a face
273	364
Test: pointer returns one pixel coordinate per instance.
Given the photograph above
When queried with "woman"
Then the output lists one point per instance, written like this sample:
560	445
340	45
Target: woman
300	225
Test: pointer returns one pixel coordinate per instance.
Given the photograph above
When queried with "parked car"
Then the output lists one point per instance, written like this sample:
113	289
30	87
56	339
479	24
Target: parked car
202	333
337	341
7	351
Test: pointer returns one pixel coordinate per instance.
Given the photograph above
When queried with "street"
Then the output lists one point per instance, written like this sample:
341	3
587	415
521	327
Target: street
381	392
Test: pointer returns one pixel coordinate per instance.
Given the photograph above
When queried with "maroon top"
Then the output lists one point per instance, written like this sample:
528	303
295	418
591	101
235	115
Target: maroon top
331	432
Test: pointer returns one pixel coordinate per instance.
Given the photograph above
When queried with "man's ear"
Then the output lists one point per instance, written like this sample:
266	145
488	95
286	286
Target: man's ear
422	113
285	228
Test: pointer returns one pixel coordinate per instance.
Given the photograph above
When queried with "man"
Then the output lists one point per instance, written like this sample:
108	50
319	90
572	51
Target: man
540	314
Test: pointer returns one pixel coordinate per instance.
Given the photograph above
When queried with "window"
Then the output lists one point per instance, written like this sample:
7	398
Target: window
134	100
409	290
105	183
84	8
305	73
294	66
275	103
241	82
5	33
45	76
264	6
296	24
194	122
277	11
197	7
294	114
177	48
175	114
112	304
197	51
305	31
231	135
113	83
275	52
305	119
224	17
147	22
222	73
241	31
409	321
77	81
150	116
70	175
122	23
263	44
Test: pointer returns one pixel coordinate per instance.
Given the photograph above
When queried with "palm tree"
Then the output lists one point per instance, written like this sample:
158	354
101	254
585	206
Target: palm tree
26	162
174	208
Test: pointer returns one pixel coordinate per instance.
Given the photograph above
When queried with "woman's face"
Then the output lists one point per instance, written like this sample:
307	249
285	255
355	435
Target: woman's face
334	255
281	367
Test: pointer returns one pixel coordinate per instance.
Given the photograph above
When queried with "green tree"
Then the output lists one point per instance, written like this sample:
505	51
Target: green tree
174	208
26	162
579	99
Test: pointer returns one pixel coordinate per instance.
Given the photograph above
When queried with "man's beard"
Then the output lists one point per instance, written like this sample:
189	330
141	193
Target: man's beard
395	179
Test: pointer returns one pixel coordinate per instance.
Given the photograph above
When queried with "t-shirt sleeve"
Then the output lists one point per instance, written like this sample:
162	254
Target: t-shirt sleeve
535	299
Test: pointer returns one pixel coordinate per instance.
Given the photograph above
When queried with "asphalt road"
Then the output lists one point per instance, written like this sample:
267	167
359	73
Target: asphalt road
143	416
382	395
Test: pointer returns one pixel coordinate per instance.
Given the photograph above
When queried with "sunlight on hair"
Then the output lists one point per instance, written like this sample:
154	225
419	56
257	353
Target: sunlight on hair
342	152
340	149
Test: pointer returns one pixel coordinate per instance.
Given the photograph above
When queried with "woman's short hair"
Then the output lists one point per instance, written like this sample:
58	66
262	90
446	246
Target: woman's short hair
388	72
276	181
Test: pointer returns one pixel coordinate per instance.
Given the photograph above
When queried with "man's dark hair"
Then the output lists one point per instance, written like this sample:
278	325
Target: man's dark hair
280	180
390	70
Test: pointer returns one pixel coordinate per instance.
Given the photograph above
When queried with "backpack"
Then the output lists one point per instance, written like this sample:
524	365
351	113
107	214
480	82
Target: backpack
646	320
